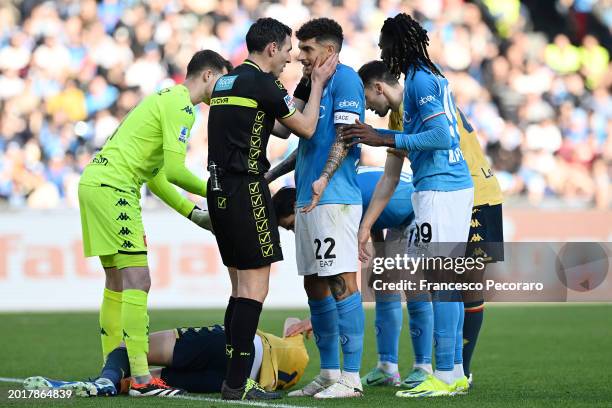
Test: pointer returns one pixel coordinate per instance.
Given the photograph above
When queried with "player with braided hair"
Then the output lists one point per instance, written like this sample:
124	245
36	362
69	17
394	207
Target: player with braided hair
408	46
444	191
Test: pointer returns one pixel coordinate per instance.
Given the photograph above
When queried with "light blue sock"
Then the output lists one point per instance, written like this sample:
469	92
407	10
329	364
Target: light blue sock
459	336
421	330
446	318
351	321
324	319
388	326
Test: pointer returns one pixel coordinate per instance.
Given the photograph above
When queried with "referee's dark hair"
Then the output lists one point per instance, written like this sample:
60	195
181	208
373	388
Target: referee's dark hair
207	59
284	202
265	31
376	71
404	46
321	29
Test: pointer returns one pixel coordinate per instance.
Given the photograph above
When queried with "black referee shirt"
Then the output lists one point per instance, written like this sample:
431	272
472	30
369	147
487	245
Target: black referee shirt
243	108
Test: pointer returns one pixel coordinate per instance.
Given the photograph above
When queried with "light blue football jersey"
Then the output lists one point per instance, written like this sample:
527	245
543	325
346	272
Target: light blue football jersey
427	95
398	211
343	100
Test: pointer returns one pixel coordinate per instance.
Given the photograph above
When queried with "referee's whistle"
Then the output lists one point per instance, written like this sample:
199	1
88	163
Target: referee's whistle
215	185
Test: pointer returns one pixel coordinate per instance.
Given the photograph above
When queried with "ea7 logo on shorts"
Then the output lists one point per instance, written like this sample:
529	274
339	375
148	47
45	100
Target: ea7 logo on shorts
183	135
221	202
225	83
348	104
426	99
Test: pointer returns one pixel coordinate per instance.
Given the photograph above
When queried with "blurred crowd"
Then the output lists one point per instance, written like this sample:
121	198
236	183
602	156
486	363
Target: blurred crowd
70	70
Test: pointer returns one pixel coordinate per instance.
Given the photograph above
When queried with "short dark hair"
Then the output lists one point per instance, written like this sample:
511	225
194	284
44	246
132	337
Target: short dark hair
207	59
284	202
376	71
265	31
321	29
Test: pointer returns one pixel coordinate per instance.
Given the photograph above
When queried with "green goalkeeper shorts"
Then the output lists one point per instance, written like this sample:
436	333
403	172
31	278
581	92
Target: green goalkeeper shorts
111	223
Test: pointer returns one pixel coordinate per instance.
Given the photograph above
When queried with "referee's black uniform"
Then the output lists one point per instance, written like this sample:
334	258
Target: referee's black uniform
243	108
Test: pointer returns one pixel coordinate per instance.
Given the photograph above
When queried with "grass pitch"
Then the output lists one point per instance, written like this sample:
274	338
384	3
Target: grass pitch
531	356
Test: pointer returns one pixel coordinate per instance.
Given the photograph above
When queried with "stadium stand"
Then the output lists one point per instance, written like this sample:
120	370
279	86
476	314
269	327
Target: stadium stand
535	83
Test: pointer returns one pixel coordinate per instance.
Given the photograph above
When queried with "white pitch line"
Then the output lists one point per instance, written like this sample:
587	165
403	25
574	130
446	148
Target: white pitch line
195	398
248	403
11	380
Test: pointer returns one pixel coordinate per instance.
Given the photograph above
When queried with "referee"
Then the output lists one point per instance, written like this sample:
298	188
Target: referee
244	106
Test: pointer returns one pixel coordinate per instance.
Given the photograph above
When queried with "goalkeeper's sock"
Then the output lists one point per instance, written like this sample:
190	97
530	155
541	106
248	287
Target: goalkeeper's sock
324	319
388	325
244	325
117	366
135	321
421	331
110	321
474	314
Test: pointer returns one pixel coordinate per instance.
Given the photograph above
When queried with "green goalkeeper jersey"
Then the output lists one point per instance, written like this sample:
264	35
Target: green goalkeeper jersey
152	136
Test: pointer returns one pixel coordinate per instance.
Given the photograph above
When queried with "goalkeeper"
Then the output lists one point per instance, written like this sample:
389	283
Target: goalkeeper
149	146
194	360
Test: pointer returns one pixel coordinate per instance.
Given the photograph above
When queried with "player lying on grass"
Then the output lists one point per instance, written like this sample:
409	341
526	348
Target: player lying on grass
194	360
149	146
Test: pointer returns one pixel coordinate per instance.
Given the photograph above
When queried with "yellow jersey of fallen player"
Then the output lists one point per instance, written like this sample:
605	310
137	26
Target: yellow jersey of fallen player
486	186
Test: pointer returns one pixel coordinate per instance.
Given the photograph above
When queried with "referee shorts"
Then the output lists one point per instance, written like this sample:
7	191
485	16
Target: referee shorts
244	222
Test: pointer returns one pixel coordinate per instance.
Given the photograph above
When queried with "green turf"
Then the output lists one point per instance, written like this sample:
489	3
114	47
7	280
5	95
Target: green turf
527	356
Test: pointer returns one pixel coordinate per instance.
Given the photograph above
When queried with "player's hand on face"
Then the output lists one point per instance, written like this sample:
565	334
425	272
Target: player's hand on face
322	72
318	187
303	326
201	218
362	237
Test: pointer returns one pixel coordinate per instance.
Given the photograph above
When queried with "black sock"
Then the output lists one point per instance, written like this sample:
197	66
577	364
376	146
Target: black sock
227	321
117	366
472	323
243	327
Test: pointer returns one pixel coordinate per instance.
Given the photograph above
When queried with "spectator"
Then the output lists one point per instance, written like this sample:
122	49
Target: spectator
71	70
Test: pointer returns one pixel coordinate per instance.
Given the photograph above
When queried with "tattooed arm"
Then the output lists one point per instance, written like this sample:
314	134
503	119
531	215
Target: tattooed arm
337	153
282	168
